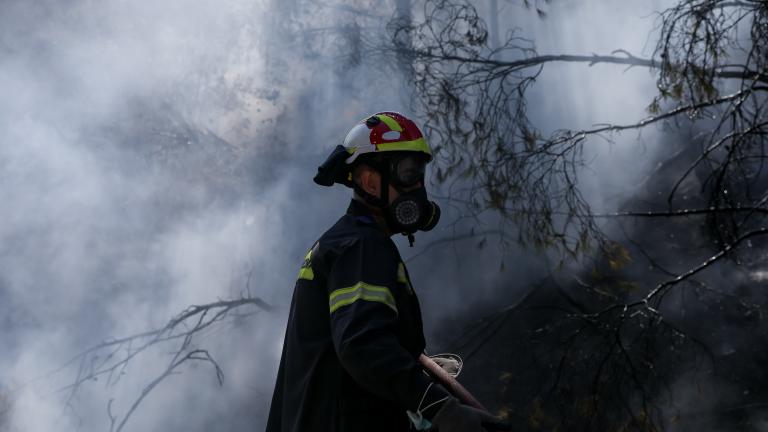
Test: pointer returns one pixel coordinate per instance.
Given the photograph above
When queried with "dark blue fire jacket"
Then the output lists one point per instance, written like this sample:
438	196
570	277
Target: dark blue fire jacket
349	360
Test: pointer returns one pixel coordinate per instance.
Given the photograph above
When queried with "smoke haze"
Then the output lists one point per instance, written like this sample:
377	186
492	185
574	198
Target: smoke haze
155	155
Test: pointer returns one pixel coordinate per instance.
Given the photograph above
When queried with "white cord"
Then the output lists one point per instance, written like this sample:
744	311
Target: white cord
418	409
459	362
435	403
417	418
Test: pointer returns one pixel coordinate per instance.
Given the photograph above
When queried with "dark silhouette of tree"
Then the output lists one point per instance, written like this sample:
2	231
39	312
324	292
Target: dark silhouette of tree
613	342
473	98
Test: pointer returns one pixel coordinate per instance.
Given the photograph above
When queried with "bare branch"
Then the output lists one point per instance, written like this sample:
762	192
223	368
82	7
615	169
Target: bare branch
111	357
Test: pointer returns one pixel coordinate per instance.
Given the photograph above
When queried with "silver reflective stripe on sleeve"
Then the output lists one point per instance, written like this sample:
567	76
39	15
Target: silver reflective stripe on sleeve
361	291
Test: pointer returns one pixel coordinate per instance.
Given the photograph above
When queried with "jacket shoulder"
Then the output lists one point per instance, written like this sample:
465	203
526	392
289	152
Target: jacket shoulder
349	237
347	233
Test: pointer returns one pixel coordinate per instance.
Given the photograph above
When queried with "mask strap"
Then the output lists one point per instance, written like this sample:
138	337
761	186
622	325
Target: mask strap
384	187
378	202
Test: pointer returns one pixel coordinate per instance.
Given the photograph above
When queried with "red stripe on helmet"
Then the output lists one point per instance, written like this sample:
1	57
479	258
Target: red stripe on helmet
409	131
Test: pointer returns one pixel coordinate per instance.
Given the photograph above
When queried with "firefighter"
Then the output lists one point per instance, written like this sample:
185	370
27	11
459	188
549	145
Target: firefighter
349	360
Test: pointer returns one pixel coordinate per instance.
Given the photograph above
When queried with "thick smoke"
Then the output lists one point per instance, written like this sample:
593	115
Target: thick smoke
128	194
155	155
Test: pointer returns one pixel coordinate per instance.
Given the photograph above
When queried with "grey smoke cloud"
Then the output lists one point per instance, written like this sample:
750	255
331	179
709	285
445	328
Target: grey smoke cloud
578	96
118	212
96	241
106	234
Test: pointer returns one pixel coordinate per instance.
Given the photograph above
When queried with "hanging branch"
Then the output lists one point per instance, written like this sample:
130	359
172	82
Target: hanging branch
474	101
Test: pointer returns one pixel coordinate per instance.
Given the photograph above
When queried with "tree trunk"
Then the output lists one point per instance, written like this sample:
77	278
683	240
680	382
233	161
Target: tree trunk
493	23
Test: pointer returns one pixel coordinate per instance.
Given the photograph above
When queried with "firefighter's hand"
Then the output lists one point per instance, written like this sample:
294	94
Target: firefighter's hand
455	417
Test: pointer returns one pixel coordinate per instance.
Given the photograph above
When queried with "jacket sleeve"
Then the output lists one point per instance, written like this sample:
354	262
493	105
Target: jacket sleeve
364	320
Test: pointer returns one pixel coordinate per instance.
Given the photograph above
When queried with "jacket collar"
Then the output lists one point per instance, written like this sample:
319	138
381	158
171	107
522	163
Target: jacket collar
361	213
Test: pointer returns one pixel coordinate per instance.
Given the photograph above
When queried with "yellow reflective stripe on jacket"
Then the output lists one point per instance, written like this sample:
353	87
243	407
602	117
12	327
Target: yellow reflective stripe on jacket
401	273
306	267
306	273
361	291
402	277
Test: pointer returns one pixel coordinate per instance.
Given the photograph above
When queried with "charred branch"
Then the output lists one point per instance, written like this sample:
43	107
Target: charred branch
111	358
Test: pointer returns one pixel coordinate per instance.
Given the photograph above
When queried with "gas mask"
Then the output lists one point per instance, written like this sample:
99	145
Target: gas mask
411	211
